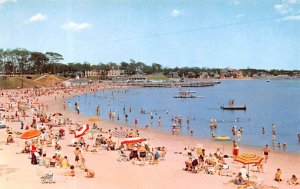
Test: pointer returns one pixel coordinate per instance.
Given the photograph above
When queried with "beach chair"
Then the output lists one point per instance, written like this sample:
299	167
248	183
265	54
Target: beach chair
122	156
224	170
48	178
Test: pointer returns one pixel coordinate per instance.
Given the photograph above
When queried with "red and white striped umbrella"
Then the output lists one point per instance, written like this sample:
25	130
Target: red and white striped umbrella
133	140
81	130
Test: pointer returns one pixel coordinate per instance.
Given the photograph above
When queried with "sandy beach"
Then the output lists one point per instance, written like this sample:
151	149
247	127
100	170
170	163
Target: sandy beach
16	171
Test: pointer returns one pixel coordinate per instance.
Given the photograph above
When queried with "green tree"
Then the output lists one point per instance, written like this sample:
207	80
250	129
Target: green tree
54	58
39	61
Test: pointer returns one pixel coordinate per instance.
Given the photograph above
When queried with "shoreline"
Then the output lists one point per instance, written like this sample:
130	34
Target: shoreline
167	174
208	139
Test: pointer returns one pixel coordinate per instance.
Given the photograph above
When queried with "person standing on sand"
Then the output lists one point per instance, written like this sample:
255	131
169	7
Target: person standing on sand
235	150
266	151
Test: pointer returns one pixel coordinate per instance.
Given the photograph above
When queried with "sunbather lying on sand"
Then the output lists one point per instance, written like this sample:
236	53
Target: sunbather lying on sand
89	173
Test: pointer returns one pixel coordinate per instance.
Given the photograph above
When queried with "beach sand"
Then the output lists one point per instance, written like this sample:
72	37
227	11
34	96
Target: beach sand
17	172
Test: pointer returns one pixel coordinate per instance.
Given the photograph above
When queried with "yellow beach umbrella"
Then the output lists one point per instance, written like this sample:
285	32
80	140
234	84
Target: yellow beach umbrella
249	158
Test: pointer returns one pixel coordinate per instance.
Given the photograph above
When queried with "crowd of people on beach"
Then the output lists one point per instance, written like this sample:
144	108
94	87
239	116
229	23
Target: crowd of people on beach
138	153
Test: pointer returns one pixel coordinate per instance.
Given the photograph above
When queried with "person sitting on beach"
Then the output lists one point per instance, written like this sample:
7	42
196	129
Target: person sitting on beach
134	154
211	160
26	148
81	141
293	180
278	175
244	172
53	161
162	151
64	162
239	179
155	155
71	172
89	173
9	139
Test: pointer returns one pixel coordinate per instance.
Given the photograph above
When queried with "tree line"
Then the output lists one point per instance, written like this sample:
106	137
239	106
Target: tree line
22	61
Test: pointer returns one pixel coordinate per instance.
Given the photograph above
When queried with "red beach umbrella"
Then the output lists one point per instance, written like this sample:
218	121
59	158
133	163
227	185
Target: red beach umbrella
81	130
57	114
133	140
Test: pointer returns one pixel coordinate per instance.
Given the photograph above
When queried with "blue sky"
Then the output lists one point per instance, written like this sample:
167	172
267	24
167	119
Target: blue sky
204	33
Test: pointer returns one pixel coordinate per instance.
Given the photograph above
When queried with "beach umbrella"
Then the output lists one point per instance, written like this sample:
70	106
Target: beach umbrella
249	158
81	130
133	140
94	119
30	134
57	114
120	133
35	103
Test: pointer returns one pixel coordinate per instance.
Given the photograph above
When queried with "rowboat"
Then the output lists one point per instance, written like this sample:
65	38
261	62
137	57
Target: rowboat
234	107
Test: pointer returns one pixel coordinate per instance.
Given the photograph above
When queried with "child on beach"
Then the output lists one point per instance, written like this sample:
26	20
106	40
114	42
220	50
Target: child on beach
71	172
278	175
293	180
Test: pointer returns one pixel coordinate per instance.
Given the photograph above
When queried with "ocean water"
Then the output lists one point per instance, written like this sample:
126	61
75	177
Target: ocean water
275	102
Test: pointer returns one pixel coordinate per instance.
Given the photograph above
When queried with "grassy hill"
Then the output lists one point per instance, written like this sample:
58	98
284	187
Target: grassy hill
157	77
16	81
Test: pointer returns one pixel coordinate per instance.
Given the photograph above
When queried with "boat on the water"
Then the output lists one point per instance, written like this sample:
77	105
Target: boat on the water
234	107
187	94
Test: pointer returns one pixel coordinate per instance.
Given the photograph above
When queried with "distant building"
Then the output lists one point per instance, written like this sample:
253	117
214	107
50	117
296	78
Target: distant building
105	74
113	73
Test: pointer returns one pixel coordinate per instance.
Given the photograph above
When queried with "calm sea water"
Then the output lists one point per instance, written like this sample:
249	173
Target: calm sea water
276	102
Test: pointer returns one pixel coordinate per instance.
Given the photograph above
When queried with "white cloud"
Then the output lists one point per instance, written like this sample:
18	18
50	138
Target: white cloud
175	13
6	1
38	17
236	2
293	17
292	1
75	26
282	8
